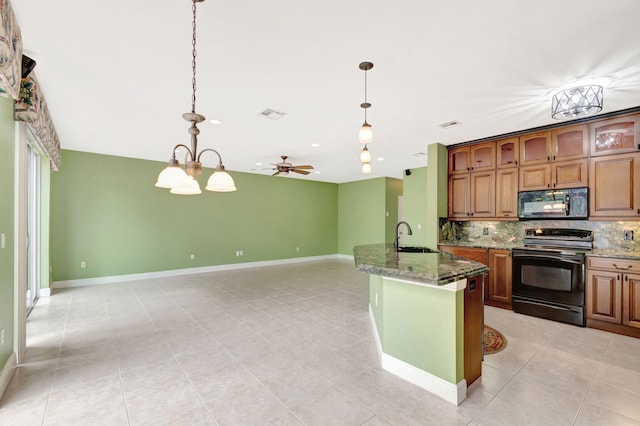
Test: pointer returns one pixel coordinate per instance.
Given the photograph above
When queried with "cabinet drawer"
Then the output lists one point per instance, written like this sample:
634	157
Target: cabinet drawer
613	264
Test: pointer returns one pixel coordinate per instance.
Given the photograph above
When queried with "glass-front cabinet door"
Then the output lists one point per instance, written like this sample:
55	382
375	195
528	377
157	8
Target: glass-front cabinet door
615	136
535	148
570	143
483	156
507	152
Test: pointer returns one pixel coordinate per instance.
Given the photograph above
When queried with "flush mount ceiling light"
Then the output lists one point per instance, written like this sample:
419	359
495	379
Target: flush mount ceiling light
365	135
183	181
577	102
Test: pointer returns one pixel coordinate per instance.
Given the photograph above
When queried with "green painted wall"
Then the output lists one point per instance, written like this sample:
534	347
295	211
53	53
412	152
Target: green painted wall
105	211
415	207
437	188
361	214
393	189
420	325
45	203
7	184
376	302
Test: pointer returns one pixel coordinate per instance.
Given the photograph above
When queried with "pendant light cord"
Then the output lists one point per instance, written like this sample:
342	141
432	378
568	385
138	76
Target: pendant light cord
193	60
365	95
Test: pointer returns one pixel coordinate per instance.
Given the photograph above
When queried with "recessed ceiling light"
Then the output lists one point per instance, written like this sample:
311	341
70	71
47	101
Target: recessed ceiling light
380	159
317	172
215	121
258	164
315	145
420	154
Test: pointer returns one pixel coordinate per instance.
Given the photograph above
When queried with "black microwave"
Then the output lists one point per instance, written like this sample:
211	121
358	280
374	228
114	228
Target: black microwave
554	204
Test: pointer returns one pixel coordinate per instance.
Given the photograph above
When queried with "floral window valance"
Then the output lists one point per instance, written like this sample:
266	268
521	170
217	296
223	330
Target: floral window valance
29	104
32	108
10	52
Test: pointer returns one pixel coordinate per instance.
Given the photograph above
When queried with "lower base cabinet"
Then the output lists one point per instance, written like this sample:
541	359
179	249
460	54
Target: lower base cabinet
473	329
613	294
497	284
499	292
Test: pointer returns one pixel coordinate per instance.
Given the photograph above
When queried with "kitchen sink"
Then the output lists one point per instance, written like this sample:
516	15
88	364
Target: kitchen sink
416	250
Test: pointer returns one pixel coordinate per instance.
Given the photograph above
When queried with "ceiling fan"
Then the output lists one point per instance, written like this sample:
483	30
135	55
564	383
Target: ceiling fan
283	168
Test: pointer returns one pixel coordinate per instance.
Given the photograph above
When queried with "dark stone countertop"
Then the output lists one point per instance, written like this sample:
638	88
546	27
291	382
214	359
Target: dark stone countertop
429	268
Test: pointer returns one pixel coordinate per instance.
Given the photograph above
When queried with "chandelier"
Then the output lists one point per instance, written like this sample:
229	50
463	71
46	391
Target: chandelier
365	135
577	102
183	181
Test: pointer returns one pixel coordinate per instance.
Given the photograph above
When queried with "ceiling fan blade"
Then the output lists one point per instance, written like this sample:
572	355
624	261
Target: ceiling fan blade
308	167
302	172
276	173
265	168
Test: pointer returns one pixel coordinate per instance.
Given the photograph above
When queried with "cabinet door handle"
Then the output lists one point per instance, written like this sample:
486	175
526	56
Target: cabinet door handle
638	211
626	278
622	269
554	157
618	277
517	164
548	158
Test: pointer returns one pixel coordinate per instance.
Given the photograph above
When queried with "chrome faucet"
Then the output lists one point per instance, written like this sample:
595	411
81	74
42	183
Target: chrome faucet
396	244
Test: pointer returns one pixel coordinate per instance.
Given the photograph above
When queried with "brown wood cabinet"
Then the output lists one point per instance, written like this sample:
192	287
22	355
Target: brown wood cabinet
477	157
535	148
613	294
497	283
603	155
570	143
559	174
499	293
615	186
472	195
615	135
507	153
507	193
473	329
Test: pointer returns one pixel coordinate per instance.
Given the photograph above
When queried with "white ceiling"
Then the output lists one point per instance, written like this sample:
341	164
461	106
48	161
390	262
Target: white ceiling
117	74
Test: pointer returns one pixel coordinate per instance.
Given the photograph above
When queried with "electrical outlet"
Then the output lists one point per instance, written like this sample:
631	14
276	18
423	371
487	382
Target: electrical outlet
83	264
628	234
237	253
2	336
485	231
297	248
241	253
193	257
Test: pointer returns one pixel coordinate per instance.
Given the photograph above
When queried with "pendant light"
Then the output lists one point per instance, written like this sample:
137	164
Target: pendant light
365	135
183	181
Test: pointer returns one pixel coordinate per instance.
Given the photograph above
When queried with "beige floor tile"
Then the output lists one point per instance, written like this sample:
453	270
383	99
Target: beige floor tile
291	344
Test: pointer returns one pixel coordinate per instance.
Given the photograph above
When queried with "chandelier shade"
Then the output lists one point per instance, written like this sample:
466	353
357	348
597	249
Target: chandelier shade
171	176
365	155
366	168
183	181
577	102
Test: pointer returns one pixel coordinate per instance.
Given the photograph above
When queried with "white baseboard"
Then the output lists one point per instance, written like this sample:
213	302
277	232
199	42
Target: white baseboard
6	373
345	257
452	393
187	271
45	292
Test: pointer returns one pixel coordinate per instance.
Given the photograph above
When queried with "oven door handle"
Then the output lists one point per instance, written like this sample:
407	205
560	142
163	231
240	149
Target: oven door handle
570	259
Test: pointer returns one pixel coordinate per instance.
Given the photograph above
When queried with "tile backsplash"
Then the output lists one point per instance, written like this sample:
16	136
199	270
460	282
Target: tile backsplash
607	235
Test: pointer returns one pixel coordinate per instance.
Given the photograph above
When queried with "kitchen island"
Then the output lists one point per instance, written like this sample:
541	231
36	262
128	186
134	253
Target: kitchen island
426	312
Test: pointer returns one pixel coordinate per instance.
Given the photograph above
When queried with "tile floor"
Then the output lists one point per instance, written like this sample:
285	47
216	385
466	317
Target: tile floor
286	345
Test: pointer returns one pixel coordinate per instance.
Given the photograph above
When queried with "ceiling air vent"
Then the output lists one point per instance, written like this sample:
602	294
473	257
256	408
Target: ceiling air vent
449	124
272	114
420	154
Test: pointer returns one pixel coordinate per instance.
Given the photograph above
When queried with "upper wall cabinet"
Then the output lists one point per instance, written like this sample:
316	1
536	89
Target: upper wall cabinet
615	136
535	148
478	157
507	153
569	143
